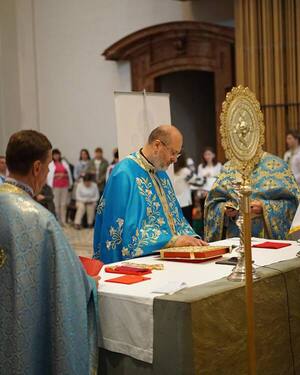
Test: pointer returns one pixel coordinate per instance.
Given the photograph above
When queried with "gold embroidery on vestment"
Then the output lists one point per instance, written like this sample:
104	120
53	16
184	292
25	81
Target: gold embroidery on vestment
3	258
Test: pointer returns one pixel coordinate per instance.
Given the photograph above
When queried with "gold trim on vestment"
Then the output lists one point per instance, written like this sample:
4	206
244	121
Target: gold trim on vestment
9	188
162	195
142	162
3	258
172	242
267	226
222	221
294	229
150	169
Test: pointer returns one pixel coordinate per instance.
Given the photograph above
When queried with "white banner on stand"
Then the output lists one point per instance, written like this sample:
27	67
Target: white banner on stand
137	114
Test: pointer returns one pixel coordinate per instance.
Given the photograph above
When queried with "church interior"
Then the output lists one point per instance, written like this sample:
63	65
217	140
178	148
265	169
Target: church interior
71	70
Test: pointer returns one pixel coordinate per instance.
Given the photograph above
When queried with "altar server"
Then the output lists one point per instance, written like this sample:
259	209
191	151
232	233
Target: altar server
48	303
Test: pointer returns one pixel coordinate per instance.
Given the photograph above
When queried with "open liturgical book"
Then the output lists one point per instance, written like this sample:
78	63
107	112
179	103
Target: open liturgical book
193	253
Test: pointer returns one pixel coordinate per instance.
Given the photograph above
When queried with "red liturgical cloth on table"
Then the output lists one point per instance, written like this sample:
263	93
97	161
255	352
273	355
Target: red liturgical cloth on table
127	270
272	245
128	279
91	266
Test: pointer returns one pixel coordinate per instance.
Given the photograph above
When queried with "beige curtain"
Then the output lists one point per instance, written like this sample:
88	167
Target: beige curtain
268	62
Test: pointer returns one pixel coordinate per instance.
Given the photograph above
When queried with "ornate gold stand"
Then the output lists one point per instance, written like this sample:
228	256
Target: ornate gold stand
242	131
239	271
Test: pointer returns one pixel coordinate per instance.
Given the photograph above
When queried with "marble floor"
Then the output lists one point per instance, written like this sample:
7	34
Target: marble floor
80	240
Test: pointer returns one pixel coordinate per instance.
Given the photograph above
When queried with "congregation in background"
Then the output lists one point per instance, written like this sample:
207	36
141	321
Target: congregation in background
73	191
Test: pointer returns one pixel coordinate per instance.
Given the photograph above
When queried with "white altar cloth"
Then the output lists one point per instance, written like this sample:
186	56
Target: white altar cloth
126	311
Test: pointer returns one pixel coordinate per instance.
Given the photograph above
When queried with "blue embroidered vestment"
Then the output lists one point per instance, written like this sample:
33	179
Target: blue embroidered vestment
138	212
48	304
272	183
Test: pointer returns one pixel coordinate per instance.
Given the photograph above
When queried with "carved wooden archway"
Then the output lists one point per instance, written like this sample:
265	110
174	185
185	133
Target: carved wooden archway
174	46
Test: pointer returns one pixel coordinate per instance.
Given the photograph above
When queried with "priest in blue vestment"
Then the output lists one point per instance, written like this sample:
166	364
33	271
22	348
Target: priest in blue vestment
48	304
274	200
138	212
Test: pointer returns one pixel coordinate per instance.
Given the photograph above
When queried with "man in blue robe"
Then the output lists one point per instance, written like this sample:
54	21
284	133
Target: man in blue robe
138	212
48	305
274	200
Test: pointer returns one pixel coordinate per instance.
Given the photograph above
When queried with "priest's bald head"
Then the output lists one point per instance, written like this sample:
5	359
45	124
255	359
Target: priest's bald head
163	146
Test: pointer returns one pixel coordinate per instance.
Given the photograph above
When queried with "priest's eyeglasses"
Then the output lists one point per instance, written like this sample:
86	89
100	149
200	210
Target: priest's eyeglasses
173	153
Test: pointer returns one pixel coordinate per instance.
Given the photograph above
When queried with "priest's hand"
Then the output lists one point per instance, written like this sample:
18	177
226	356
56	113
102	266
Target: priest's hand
256	208
189	241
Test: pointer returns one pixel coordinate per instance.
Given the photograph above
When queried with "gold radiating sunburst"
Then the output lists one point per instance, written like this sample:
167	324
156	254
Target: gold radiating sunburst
242	129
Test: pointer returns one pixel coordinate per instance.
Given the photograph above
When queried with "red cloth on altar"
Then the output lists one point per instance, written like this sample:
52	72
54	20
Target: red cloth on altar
272	245
91	266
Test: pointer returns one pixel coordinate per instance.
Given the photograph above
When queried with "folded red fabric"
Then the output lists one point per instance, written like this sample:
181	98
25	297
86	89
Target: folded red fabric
91	266
127	270
128	279
272	245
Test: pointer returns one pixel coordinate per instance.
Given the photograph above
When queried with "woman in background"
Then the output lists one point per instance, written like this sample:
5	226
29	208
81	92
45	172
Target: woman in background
208	170
87	196
80	167
60	180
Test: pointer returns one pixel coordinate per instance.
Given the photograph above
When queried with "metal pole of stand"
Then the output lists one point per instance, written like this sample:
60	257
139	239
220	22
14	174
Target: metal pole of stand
145	113
249	280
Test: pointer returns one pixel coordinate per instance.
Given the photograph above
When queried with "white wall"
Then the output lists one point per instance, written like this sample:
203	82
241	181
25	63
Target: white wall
55	78
75	83
9	76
